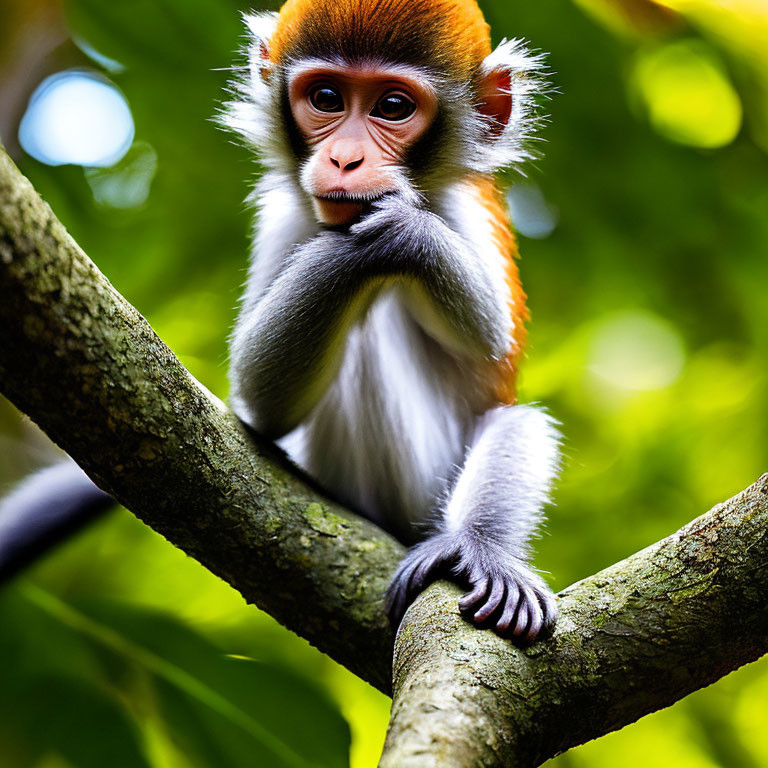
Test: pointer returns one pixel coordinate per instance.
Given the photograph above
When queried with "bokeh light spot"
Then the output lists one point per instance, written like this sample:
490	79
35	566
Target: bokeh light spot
688	95
127	183
636	351
77	117
531	214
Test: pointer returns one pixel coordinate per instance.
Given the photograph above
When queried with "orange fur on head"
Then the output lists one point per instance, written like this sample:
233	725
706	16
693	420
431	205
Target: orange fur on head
448	35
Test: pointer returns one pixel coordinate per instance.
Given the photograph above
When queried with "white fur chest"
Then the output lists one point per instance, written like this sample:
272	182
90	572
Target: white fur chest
388	435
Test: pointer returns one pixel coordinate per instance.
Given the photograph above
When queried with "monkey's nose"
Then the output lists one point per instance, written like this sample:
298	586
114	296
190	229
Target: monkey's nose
349	165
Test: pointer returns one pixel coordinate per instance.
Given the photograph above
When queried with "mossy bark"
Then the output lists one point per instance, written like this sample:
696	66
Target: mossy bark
80	361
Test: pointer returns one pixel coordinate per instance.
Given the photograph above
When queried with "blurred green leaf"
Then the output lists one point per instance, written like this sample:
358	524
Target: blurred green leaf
221	711
52	697
86	726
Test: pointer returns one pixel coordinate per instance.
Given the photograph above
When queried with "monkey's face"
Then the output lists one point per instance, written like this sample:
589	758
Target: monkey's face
357	121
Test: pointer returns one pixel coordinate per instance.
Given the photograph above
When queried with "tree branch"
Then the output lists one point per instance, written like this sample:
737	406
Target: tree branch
86	366
631	639
78	359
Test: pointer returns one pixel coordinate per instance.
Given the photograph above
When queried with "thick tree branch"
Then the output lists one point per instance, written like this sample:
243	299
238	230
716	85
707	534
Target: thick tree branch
87	367
632	639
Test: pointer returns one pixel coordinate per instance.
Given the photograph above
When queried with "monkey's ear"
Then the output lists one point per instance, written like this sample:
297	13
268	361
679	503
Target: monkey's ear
495	99
508	85
251	113
261	26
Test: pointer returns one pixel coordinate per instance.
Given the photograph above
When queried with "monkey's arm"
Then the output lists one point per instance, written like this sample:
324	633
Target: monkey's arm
286	350
456	300
482	538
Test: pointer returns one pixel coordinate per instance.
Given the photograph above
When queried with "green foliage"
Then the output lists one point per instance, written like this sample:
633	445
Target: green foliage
105	684
648	342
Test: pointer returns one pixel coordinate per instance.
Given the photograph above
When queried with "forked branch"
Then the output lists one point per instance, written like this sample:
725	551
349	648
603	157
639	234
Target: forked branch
82	362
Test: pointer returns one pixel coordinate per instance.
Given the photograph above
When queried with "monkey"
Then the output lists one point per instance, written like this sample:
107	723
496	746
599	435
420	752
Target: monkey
382	324
380	333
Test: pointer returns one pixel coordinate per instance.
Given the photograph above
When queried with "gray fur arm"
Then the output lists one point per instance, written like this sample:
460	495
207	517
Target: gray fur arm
286	350
482	539
506	479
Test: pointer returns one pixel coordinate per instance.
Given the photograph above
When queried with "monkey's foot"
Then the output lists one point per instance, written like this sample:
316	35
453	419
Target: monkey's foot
505	594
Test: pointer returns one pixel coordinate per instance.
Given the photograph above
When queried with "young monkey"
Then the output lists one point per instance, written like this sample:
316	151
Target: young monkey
382	324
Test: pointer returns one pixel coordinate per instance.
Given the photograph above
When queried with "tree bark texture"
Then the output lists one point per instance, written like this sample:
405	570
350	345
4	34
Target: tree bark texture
631	639
80	361
86	366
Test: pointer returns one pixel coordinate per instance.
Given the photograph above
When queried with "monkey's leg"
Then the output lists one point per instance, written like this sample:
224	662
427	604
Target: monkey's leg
482	539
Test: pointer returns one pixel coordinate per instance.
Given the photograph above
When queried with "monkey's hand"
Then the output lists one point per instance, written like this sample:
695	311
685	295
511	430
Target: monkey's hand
471	314
393	232
504	593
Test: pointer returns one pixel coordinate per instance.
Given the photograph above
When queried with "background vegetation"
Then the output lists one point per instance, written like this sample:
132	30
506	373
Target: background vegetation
644	234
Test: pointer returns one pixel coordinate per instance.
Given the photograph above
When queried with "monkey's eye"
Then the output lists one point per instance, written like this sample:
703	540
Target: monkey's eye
394	107
326	98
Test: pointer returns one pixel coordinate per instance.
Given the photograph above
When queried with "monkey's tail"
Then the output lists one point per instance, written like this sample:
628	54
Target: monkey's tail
43	510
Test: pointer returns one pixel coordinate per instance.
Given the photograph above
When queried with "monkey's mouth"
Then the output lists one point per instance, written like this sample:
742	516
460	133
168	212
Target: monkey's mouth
351	198
340	208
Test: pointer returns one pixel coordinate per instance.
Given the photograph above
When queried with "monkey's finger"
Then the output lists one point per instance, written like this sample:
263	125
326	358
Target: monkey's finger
480	587
523	616
423	573
397	595
549	609
396	606
492	603
513	598
537	619
390	600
